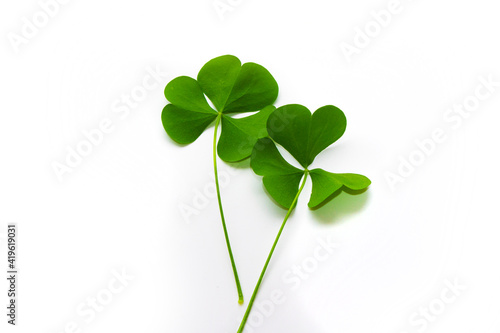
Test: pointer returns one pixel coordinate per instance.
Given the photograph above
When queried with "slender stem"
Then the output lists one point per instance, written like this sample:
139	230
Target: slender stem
235	272
250	304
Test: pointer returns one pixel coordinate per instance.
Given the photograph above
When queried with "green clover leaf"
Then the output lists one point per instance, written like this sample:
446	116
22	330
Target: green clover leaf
304	136
232	88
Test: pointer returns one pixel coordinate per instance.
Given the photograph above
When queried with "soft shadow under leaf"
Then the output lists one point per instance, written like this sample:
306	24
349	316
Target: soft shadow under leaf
346	202
243	164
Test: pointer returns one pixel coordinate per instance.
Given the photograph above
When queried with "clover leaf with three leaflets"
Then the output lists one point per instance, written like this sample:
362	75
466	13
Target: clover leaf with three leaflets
232	88
304	136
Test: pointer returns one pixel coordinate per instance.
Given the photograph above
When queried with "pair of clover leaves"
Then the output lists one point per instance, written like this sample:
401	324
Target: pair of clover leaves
235	88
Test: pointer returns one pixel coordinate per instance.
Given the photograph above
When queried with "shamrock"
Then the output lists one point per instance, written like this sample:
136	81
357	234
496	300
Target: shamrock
232	88
304	136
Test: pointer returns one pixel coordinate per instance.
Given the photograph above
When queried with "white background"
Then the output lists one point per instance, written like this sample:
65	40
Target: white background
119	208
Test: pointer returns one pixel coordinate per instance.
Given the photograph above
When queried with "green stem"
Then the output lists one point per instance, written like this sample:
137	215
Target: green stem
250	304
235	272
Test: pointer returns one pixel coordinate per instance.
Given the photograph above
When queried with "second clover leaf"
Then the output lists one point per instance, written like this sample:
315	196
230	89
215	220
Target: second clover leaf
304	136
